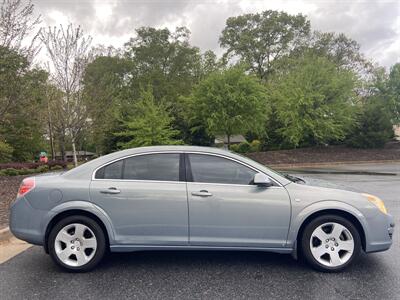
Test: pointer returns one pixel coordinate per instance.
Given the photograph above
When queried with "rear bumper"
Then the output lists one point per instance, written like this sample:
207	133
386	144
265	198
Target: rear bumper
381	231
26	222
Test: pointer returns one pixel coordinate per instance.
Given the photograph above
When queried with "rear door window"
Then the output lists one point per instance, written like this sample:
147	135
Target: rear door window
159	167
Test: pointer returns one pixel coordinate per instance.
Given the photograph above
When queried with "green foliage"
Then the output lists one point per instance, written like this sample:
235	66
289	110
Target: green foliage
246	147
165	60
23	171
311	102
373	127
343	51
293	88
57	168
150	124
393	85
263	38
42	169
255	146
243	147
10	172
228	103
5	152
105	92
21	96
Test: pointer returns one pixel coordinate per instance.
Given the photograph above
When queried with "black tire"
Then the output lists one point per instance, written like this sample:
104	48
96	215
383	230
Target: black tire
306	236
97	231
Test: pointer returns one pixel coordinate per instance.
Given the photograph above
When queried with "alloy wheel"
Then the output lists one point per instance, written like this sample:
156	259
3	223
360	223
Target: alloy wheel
332	244
75	245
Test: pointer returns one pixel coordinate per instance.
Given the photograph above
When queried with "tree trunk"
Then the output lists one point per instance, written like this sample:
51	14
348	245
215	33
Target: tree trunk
74	153
62	146
53	154
229	141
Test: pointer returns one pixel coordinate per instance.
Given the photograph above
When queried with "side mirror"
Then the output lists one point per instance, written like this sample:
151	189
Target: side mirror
263	180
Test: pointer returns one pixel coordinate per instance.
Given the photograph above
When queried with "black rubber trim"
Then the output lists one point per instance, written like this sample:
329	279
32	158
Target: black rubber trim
189	175
182	167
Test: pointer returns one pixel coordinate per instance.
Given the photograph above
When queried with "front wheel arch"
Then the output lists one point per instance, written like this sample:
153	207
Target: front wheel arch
348	216
73	212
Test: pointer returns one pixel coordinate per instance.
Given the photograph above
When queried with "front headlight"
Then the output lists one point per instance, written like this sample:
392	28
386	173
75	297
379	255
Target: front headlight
378	202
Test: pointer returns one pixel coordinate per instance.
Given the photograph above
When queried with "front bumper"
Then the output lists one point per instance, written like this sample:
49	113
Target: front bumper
26	222
380	229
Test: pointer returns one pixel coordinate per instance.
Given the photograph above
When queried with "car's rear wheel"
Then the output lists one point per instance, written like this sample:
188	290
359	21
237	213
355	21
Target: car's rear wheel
77	243
330	243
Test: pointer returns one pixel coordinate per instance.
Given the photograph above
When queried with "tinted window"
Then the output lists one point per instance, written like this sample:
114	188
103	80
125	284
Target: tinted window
162	167
214	169
111	171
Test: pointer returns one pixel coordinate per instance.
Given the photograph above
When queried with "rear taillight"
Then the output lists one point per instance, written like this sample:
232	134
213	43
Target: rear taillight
27	185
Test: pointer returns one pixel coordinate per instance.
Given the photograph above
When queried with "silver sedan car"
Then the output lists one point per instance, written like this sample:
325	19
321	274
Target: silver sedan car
193	198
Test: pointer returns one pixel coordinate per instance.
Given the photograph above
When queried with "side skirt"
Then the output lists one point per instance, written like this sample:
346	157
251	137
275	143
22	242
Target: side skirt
133	248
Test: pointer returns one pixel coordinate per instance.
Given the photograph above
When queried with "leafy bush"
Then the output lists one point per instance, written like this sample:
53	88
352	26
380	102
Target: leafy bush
246	147
10	172
255	146
13	169
243	147
56	168
42	169
5	152
28	165
373	128
57	164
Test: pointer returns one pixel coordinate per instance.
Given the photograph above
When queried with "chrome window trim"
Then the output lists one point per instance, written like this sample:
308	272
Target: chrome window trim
182	182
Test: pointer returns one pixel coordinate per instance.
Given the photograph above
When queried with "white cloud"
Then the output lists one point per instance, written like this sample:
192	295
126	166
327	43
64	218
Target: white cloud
374	24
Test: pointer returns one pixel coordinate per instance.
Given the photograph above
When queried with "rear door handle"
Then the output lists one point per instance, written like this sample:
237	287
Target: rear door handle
111	190
202	193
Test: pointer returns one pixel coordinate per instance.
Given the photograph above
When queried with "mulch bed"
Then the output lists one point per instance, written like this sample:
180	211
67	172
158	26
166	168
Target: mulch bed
329	154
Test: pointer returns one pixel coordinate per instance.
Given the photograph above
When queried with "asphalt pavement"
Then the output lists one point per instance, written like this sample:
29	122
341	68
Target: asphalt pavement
219	275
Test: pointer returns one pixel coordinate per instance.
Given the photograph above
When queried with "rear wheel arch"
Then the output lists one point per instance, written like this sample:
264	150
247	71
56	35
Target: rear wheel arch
74	212
344	214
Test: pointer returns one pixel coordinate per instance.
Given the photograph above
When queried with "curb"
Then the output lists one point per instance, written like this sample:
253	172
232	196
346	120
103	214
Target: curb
5	234
327	164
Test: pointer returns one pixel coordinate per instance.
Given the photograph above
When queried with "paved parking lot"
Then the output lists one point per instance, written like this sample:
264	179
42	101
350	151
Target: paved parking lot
218	275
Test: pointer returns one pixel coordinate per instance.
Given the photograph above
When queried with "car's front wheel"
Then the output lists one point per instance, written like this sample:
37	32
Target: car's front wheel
330	243
77	243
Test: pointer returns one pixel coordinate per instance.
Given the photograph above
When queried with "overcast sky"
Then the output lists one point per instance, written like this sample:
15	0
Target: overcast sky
375	24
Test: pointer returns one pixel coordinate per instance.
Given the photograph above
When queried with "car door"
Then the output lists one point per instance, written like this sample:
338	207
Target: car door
227	210
145	197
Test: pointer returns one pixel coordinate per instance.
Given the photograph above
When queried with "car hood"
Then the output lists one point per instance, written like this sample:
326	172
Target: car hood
326	184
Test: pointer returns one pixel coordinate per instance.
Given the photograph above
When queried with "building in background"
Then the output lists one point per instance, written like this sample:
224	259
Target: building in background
222	141
81	155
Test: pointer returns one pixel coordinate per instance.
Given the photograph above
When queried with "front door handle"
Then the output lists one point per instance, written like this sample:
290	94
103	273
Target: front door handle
111	190
202	193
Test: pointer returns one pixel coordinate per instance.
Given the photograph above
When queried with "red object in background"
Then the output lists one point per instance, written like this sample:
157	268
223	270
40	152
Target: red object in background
43	159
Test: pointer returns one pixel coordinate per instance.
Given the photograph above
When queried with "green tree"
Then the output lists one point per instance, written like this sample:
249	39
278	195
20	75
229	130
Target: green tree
393	85
5	152
21	100
373	126
261	39
165	60
343	51
312	103
149	125
228	102
106	94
